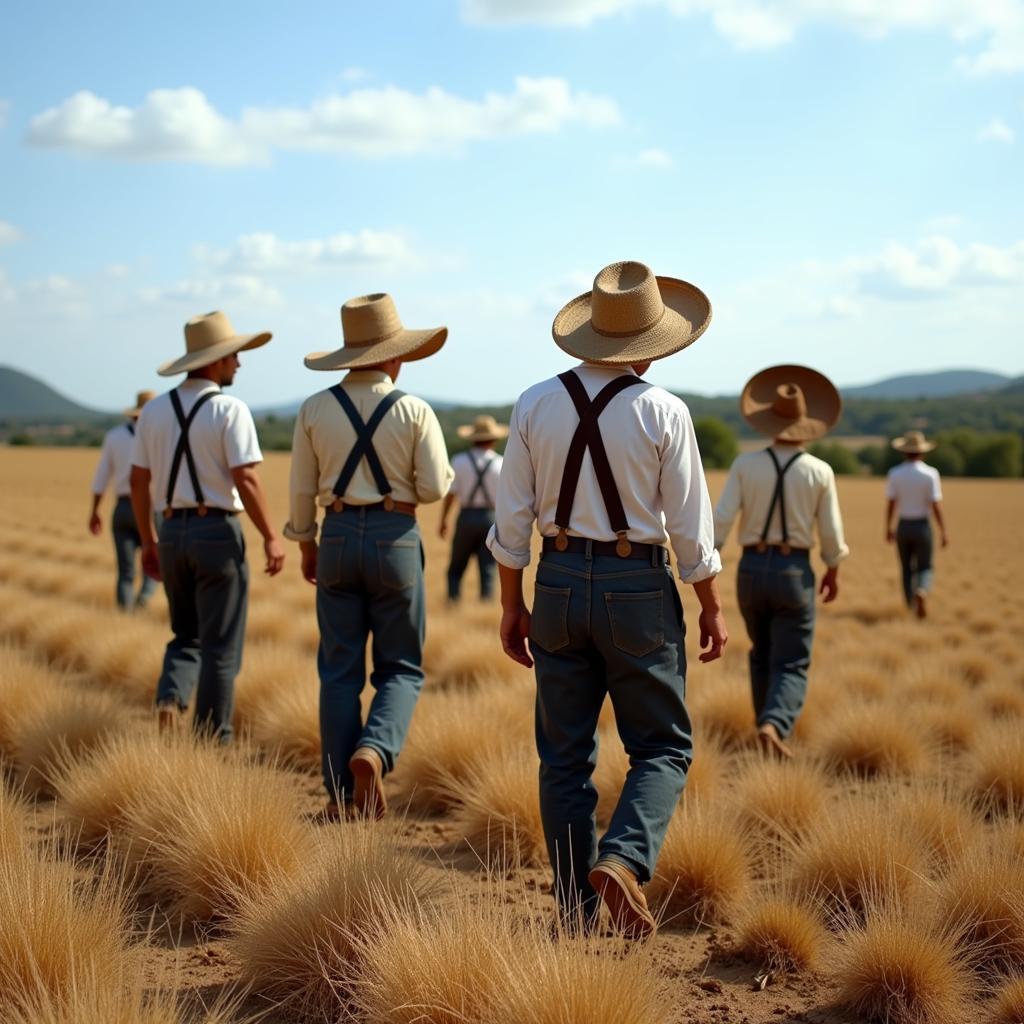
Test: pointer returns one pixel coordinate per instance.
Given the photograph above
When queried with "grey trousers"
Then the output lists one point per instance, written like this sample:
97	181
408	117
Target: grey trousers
126	546
206	577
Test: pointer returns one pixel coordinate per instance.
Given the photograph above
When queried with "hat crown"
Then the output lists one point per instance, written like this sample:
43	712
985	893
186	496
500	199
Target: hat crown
789	402
485	424
369	318
915	437
142	397
203	332
626	300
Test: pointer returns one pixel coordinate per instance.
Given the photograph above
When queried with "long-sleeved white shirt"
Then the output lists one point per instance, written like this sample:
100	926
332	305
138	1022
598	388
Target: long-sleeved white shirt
811	498
115	463
464	486
915	488
652	449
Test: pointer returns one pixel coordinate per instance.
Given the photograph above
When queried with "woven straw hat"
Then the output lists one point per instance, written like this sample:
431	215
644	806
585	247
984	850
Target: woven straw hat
373	333
141	398
208	338
631	316
792	403
483	428
913	442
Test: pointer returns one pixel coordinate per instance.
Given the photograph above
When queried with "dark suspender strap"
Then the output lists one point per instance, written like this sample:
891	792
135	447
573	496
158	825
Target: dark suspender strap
778	497
131	428
480	485
363	448
184	447
588	435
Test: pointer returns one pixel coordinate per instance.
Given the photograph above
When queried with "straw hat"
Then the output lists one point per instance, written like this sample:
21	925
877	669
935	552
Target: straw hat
483	428
913	442
792	403
141	398
208	338
373	333
631	316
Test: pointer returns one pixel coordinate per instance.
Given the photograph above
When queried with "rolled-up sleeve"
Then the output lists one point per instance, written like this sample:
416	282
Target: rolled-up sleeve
728	507
516	507
303	484
830	524
434	474
687	504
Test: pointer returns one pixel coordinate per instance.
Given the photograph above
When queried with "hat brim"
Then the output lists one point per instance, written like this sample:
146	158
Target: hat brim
824	403
405	345
686	317
197	360
900	444
468	433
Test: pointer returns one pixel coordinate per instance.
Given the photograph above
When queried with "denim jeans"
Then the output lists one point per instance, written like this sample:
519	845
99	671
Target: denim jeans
776	599
206	578
369	583
914	544
470	539
126	546
606	625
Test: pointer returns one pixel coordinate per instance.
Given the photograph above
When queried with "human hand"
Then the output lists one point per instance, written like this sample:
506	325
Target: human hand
829	588
514	629
713	634
151	560
309	551
945	540
95	524
274	551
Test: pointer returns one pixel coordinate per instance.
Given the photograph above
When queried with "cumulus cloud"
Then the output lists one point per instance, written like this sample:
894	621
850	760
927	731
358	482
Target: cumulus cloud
992	29
181	124
9	234
997	130
654	158
214	289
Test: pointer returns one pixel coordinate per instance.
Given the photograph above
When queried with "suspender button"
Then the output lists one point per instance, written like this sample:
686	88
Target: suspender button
389	503
761	547
622	545
562	540
168	512
201	510
337	504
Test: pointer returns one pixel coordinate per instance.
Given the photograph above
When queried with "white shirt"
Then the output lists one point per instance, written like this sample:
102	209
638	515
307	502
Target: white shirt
115	462
915	487
464	485
222	437
810	494
653	453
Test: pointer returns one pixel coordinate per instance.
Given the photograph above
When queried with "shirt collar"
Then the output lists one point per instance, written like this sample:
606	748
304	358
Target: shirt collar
367	377
199	384
617	370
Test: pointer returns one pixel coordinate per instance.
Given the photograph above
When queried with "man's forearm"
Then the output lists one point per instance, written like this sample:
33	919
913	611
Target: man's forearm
707	594
250	490
446	506
511	587
890	507
141	504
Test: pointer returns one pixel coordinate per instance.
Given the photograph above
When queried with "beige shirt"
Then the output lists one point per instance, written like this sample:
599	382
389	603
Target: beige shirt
810	492
408	441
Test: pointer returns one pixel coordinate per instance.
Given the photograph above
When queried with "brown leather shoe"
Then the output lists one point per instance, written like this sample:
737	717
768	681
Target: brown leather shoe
771	743
921	604
167	717
367	768
619	889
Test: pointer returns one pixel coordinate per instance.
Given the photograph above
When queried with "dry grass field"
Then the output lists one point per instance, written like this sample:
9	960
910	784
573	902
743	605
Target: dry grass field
880	876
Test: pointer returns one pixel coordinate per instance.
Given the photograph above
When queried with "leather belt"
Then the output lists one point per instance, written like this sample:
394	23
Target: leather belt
580	546
405	507
779	549
200	513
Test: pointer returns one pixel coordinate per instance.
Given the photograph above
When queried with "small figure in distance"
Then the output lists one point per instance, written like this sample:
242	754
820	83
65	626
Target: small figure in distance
475	488
781	493
914	489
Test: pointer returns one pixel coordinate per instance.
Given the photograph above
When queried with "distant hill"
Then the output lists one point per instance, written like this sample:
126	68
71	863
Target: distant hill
941	384
24	398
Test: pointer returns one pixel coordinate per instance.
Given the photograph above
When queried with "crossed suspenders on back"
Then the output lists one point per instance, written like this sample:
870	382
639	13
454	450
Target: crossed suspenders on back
588	435
184	449
480	487
363	448
778	498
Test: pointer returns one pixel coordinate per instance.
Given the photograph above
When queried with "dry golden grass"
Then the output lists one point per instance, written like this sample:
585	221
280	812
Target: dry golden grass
1009	1002
870	740
781	935
995	768
779	799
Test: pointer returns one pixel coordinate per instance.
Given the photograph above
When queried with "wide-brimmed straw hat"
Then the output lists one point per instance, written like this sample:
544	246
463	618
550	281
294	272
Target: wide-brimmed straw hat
792	403
631	316
141	398
483	428
913	442
208	338
373	333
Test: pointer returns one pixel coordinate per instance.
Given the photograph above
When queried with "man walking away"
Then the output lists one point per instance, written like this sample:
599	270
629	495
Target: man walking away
367	454
195	461
608	467
115	466
915	489
781	493
475	488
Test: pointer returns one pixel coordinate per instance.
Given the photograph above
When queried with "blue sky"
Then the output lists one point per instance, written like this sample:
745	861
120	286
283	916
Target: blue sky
843	179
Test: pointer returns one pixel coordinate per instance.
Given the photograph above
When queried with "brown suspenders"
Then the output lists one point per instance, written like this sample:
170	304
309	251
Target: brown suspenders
588	435
778	498
184	448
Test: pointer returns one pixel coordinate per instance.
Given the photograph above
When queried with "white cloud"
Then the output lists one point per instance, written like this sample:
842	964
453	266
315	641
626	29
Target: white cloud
653	158
214	289
997	130
9	234
181	124
994	29
354	74
7	292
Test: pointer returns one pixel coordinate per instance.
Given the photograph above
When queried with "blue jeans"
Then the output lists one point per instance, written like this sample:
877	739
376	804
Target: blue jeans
776	599
914	543
369	581
471	529
126	545
606	625
206	578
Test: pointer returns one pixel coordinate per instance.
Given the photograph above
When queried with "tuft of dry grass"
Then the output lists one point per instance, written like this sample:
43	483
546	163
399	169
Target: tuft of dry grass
724	711
936	816
298	942
781	935
995	767
704	868
870	740
1008	1007
13	825
779	799
23	681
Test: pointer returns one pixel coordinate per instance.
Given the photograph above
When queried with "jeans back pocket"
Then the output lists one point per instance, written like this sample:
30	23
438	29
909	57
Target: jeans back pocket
329	567
549	620
637	621
400	562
